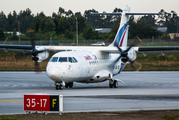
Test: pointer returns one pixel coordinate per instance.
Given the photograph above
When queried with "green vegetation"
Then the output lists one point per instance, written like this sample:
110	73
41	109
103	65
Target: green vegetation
157	62
62	25
172	117
8	118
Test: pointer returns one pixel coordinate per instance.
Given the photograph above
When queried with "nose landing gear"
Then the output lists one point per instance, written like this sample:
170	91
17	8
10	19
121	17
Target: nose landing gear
59	87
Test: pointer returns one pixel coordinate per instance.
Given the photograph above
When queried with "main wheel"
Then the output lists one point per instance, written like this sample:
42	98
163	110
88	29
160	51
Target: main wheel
66	85
61	87
57	87
70	84
111	85
115	84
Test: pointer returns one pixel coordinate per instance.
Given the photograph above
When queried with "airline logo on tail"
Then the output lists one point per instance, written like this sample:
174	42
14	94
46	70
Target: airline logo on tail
121	34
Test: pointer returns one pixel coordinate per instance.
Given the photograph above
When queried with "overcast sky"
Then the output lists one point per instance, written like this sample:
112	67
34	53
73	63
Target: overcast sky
50	6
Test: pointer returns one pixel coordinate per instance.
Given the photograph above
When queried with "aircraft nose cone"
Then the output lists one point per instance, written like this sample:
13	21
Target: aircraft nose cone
56	71
52	72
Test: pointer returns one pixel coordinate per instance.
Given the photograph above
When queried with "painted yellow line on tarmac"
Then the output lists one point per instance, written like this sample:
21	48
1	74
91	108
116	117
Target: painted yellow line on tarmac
11	101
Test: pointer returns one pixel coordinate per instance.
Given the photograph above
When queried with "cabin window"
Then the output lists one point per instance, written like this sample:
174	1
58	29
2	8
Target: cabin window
54	59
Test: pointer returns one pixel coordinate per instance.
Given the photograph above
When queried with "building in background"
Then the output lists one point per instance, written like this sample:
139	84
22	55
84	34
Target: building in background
173	31
103	30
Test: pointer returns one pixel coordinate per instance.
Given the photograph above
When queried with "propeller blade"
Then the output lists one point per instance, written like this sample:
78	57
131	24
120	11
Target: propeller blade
139	39
32	41
136	65
118	59
128	48
35	52
132	45
119	49
37	68
33	44
120	52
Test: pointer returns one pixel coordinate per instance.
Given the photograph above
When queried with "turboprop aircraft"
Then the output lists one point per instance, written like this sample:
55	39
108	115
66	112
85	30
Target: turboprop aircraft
91	64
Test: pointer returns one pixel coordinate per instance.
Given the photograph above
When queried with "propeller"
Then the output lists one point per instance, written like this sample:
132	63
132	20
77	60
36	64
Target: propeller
34	51
125	58
124	53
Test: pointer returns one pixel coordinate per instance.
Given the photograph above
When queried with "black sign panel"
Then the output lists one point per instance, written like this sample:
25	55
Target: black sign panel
54	103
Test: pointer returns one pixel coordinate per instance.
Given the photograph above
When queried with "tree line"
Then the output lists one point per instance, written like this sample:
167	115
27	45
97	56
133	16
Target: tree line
62	25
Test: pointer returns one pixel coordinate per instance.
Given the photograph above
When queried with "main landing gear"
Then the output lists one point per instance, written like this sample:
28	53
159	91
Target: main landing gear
113	83
70	85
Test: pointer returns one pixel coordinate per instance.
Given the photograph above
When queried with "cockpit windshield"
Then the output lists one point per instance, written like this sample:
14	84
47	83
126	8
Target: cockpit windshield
54	59
64	59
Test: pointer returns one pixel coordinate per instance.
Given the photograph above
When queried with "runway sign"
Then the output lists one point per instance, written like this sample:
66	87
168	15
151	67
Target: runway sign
42	102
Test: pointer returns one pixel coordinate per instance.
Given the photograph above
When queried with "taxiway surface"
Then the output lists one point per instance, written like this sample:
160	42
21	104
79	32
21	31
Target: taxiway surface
141	91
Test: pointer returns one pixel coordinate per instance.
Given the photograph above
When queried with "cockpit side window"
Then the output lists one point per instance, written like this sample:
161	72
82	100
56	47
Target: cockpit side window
72	60
75	59
63	59
54	59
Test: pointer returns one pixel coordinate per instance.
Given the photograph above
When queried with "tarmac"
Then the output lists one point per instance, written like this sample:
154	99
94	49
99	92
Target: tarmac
141	91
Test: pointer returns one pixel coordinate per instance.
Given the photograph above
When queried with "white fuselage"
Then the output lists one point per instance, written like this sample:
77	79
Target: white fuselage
86	67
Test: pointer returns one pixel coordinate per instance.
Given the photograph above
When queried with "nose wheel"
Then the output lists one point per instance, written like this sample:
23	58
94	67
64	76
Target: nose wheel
59	87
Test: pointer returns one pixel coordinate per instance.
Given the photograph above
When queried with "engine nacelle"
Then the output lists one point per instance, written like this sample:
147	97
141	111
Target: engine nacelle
132	54
42	55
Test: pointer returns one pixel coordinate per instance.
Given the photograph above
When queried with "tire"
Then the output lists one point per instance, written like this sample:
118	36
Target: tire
71	84
110	85
66	85
115	84
57	87
61	87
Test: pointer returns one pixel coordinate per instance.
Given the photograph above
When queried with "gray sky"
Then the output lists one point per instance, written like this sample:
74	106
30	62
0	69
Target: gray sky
50	6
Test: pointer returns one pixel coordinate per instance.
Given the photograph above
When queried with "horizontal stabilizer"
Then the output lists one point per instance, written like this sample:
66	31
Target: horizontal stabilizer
115	13
142	13
105	13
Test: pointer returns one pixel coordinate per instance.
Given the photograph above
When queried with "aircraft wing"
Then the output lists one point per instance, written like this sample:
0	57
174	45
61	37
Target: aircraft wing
144	50
140	50
157	50
16	47
23	47
59	48
28	48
